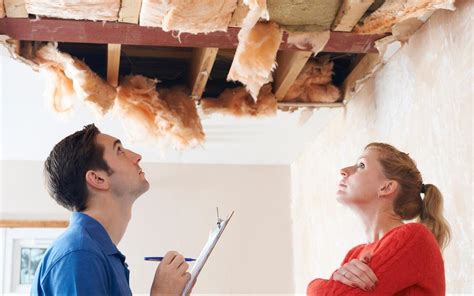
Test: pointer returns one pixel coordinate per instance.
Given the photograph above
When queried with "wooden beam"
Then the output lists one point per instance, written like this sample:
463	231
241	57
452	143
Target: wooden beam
132	34
349	14
15	8
7	223
290	64
201	67
364	69
113	63
130	11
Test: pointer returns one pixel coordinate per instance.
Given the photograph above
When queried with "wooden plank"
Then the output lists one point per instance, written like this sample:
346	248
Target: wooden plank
290	64
201	67
349	14
15	8
132	34
130	11
364	69
10	223
113	63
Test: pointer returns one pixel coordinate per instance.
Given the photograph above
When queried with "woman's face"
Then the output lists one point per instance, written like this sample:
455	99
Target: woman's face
361	182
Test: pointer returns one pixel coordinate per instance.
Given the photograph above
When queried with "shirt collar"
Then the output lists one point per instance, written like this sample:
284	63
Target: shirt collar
96	231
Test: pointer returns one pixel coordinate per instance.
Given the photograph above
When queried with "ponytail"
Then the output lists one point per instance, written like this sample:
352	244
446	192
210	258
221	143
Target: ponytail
432	215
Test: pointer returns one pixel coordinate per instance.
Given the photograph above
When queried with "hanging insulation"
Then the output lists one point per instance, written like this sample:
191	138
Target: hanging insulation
255	56
238	102
313	84
87	85
166	118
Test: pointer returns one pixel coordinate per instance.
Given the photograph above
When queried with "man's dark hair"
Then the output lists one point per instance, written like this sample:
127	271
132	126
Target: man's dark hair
66	166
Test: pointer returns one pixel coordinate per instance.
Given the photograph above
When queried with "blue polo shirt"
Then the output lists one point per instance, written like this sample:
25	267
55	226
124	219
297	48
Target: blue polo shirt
82	261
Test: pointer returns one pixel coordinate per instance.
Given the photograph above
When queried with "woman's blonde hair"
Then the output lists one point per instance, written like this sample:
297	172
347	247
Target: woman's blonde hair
409	203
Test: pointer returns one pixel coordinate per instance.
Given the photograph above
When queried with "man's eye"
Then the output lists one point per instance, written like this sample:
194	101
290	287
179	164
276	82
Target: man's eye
361	165
120	150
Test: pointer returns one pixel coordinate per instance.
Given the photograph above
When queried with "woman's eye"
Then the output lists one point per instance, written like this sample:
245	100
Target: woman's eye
120	150
361	165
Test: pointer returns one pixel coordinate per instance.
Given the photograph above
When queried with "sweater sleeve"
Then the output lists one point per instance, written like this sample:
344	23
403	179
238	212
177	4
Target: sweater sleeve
406	258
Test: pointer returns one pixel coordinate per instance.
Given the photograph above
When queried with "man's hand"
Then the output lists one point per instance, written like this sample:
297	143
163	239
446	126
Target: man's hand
171	275
356	273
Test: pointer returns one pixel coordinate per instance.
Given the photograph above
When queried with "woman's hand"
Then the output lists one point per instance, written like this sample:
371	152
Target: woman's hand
356	273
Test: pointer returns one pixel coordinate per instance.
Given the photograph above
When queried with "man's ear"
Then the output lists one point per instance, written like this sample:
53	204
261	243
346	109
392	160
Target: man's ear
389	188
97	179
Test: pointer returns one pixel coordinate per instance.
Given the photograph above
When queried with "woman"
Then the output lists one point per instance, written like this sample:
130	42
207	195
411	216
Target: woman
385	188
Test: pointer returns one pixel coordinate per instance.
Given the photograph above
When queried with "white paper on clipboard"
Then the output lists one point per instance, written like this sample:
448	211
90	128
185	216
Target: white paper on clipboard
206	251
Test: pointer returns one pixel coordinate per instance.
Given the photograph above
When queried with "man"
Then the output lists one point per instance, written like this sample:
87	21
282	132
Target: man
96	178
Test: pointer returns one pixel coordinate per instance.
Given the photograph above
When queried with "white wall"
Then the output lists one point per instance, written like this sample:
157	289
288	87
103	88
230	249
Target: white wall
254	253
421	102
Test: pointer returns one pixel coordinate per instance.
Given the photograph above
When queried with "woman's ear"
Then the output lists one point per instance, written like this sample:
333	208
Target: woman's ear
97	179
389	188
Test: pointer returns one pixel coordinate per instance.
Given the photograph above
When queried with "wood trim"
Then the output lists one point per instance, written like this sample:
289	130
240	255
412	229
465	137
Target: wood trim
201	66
349	14
12	223
290	64
60	30
113	63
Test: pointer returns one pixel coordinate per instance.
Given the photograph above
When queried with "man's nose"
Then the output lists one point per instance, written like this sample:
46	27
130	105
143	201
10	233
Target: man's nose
135	157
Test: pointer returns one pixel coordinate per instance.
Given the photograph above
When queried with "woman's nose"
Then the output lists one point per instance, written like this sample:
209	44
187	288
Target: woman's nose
345	171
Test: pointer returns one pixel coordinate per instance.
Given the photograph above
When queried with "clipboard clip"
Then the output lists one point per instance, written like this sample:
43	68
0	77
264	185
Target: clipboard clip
219	220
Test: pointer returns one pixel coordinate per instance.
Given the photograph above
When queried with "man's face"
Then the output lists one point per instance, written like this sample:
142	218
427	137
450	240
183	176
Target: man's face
127	178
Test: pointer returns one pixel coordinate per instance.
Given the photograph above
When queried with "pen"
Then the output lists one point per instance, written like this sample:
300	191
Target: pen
161	258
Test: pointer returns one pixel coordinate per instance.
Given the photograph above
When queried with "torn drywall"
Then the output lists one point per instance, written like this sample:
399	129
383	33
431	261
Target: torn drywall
395	11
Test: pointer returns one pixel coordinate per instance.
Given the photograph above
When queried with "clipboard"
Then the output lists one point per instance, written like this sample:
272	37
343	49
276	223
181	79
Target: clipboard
214	236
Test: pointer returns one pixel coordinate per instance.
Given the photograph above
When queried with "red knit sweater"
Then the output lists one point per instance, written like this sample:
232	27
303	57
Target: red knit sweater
406	261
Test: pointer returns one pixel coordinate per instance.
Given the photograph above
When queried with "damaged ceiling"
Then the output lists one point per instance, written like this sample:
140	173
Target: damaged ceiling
168	64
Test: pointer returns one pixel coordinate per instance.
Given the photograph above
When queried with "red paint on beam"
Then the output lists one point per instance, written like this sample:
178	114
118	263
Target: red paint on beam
131	34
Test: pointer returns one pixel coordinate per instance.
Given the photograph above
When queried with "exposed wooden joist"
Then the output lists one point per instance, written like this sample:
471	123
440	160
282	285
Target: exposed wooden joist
113	63
289	66
364	69
349	14
130	11
132	34
201	66
11	223
15	8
